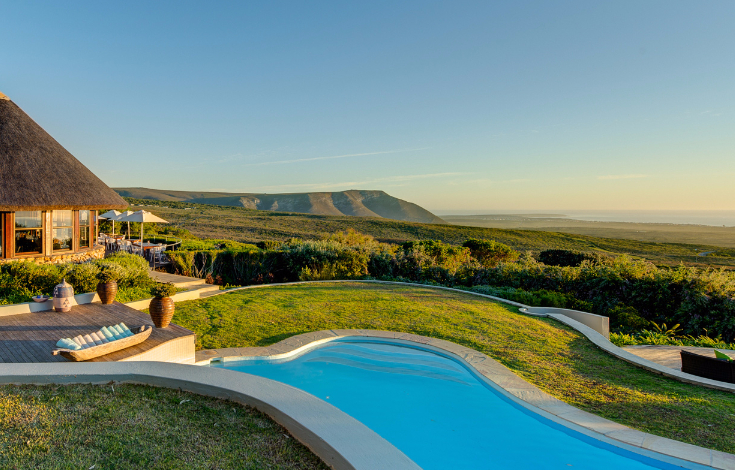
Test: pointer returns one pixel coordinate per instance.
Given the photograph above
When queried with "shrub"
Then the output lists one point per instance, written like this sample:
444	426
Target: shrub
563	258
268	244
163	289
627	318
110	273
35	277
489	252
133	269
83	277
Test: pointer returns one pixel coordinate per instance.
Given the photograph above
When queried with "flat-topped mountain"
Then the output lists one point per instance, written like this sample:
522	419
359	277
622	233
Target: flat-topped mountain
354	202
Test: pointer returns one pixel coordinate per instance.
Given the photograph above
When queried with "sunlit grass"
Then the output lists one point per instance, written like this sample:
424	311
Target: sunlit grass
140	427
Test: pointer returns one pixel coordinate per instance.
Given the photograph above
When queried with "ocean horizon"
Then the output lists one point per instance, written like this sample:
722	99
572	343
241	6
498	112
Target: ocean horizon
717	218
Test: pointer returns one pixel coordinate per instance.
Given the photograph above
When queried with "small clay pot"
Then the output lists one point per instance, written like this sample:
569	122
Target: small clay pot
107	291
162	311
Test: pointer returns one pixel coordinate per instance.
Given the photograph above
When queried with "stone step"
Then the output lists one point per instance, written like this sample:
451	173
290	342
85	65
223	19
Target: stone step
182	282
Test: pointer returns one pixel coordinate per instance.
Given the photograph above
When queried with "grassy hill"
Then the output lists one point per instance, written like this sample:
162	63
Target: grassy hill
352	203
250	226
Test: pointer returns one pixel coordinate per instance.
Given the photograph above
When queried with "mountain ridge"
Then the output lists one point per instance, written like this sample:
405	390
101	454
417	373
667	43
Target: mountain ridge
357	203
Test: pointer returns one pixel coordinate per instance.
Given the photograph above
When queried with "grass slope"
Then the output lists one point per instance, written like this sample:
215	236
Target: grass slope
134	426
246	225
548	354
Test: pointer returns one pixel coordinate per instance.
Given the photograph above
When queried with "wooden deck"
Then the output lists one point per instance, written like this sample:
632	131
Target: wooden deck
30	337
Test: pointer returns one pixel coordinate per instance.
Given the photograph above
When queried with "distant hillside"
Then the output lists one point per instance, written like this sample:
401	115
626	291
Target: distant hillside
354	203
251	226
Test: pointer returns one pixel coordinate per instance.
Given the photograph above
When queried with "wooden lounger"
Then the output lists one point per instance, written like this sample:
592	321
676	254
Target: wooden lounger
107	348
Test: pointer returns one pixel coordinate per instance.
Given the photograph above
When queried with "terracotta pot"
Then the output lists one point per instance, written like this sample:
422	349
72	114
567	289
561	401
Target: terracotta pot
161	310
107	291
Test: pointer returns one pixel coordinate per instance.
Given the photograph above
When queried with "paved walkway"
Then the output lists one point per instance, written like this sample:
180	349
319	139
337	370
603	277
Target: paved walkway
668	356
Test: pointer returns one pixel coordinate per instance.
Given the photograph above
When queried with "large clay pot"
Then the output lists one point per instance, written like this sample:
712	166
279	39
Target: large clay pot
162	311
107	291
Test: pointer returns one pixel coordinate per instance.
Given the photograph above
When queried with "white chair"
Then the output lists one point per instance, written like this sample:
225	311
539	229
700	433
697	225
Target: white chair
134	249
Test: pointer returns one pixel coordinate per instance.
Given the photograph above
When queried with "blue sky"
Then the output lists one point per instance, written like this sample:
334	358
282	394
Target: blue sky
452	105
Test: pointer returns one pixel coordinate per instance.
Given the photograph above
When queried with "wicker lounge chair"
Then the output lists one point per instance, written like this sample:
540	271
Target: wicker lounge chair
708	367
95	351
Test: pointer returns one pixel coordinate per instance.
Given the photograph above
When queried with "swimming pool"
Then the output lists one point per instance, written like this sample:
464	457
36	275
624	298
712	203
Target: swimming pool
438	412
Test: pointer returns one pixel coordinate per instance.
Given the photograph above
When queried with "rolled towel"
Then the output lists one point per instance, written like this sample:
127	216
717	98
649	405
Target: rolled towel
97	339
102	337
117	331
126	330
108	334
81	342
67	343
89	341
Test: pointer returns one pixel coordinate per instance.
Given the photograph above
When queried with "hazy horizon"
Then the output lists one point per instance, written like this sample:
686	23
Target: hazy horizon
716	218
455	105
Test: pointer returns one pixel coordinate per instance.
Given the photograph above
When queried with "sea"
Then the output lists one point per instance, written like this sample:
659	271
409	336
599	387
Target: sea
718	218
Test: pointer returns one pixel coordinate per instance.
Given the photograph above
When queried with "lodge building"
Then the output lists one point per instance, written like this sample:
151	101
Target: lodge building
49	200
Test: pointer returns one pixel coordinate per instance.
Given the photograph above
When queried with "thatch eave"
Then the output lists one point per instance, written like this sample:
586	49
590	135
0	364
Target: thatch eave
5	208
37	173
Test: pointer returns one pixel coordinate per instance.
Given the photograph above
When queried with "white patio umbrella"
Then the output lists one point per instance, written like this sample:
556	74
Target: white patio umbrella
142	217
121	218
111	215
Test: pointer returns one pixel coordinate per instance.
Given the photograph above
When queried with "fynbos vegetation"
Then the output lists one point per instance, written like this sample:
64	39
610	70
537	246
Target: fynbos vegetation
633	293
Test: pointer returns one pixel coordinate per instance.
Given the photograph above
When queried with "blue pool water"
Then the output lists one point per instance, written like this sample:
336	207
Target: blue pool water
437	412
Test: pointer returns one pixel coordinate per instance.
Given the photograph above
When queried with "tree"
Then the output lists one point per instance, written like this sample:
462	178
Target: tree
489	252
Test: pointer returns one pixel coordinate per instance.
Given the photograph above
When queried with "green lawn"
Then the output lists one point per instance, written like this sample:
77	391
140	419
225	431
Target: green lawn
134	426
554	357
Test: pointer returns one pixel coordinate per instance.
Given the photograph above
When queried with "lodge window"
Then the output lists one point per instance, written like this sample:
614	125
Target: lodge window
84	228
28	232
63	226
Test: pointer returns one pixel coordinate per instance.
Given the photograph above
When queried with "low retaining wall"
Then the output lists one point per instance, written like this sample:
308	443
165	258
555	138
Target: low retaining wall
30	307
98	252
597	322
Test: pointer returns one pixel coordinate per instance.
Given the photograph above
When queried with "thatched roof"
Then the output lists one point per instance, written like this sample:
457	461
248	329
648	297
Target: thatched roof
38	173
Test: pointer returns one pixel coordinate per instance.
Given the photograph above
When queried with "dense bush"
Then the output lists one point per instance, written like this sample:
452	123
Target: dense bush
161	290
633	293
268	244
83	277
534	298
489	252
566	258
134	269
21	280
662	335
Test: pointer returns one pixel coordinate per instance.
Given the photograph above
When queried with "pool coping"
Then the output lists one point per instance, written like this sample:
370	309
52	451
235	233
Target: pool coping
339	440
507	383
